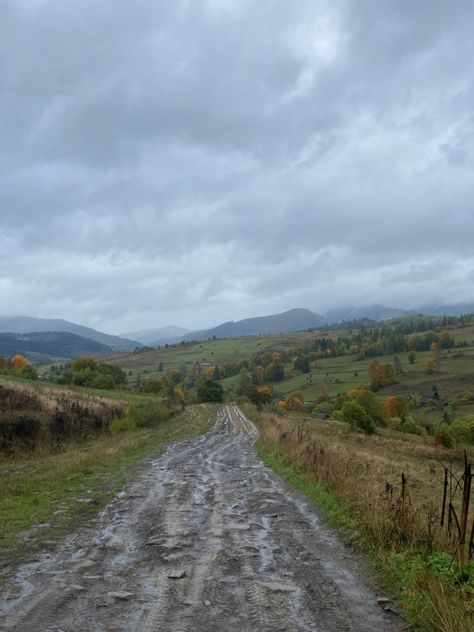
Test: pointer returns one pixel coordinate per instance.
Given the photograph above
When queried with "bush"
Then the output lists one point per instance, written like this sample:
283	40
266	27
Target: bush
20	430
28	372
355	415
148	414
443	436
463	429
324	407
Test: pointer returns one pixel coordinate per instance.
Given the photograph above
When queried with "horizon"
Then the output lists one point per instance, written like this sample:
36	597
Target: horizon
190	329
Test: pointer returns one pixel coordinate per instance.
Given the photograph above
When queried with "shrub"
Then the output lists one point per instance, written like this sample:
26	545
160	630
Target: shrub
355	415
463	429
324	407
443	436
148	414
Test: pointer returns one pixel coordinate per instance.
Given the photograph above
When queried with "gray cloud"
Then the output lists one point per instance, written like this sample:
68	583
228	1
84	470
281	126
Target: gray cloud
192	162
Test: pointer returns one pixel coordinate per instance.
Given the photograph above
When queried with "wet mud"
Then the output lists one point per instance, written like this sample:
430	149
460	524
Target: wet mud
205	539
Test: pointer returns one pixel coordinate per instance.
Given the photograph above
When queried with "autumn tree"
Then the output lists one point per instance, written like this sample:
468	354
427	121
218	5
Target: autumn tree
381	374
369	402
275	372
17	362
259	395
84	363
295	401
395	406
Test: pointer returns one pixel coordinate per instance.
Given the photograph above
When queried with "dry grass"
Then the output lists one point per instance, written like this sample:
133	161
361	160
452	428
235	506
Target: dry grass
356	468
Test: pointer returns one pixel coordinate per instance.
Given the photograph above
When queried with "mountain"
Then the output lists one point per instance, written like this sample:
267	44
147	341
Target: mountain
42	347
371	312
158	336
286	322
27	324
302	319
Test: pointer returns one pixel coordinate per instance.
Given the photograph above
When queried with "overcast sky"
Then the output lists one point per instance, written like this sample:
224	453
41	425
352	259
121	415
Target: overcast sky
193	161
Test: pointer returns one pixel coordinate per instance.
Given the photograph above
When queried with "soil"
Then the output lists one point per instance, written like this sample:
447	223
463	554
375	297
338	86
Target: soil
204	539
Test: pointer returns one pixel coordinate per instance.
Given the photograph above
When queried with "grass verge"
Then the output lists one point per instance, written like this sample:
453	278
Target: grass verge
346	482
45	495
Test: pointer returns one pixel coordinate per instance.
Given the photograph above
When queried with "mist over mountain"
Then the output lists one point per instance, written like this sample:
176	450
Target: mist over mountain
157	336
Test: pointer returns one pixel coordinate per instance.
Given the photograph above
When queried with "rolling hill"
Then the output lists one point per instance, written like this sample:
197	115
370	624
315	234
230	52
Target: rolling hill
27	324
41	347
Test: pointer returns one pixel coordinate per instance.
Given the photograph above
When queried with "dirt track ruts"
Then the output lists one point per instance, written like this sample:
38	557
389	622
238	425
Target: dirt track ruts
204	539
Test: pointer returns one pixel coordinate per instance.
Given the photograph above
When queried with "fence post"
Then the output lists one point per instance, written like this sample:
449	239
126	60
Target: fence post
445	492
466	496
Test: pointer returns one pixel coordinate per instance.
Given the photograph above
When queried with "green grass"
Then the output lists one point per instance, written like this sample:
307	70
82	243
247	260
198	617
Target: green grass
334	512
51	489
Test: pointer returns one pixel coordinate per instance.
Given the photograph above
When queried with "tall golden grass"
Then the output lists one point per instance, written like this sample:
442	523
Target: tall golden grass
364	474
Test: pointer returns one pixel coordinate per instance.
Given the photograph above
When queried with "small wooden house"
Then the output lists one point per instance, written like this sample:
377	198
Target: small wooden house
430	396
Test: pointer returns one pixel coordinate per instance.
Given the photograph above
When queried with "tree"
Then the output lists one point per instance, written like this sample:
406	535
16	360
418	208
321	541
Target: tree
395	406
295	401
259	395
17	362
210	391
151	385
275	372
84	363
381	374
369	402
355	415
411	357
29	372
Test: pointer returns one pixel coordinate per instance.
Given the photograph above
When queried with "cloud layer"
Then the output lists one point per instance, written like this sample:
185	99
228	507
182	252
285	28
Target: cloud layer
192	161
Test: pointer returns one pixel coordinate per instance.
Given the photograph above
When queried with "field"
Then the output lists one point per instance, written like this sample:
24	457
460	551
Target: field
213	351
47	489
454	376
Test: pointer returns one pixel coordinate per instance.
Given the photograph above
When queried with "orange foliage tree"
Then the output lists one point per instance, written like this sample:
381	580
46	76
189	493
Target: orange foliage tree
395	406
17	362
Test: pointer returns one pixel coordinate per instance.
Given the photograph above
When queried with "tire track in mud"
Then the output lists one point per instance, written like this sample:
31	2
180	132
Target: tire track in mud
205	539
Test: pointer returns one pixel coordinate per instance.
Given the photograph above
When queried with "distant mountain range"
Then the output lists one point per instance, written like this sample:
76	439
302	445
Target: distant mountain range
27	324
48	346
72	340
285	322
300	319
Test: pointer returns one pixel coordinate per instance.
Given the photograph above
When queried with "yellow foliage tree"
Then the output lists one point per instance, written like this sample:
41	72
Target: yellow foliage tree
17	362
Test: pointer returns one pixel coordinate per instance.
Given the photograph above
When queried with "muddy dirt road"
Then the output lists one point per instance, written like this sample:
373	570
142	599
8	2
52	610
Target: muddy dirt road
204	539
